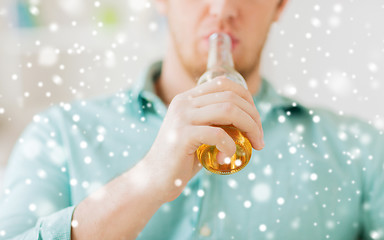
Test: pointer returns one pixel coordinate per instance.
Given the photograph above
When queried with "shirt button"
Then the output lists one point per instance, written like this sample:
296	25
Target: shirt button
205	231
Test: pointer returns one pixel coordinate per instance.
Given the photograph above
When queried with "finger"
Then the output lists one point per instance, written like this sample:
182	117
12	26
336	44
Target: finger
214	136
196	165
221	84
222	159
229	96
229	114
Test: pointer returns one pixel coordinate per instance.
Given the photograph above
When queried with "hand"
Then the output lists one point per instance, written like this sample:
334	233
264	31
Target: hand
191	120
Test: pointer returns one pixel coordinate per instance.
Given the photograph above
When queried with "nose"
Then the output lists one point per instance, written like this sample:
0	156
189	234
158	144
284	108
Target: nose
223	9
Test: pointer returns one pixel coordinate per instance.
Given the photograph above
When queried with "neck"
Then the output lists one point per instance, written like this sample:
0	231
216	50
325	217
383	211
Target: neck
253	81
174	79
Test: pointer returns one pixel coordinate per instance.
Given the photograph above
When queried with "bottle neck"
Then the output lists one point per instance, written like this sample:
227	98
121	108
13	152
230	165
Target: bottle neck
220	51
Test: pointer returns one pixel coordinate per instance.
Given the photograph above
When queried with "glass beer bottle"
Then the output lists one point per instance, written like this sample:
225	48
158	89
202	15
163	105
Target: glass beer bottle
220	63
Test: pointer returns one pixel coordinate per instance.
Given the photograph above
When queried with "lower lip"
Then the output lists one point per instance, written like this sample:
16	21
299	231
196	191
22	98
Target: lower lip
235	43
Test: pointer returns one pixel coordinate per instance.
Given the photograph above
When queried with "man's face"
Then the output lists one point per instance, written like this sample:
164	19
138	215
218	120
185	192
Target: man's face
246	21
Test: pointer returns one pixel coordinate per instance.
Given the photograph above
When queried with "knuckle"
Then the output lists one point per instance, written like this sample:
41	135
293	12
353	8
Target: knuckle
229	108
230	95
249	97
218	132
177	98
178	102
194	103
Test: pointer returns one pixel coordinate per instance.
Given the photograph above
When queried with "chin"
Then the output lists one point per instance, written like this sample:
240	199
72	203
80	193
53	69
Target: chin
198	71
247	66
199	65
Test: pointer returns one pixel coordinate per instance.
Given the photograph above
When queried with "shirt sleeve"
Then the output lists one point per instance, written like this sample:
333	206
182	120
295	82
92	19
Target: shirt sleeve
36	199
373	194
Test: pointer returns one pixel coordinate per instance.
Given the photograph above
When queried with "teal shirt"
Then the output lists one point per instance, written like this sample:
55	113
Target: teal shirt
320	175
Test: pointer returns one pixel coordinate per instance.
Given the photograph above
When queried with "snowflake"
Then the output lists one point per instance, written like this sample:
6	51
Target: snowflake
200	193
47	56
262	228
280	201
261	192
83	144
232	183
268	170
313	176
247	204
178	182
251	176
221	215
32	207
87	160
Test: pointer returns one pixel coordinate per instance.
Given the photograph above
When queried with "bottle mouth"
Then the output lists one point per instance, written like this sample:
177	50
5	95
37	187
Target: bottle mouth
221	39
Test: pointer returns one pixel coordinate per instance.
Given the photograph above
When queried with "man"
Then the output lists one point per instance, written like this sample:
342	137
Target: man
124	167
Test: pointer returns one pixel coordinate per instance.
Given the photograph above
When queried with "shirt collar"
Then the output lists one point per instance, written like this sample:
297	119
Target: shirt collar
266	99
143	91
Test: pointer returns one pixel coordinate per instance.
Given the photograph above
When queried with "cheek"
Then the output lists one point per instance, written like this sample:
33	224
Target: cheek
182	27
183	15
257	28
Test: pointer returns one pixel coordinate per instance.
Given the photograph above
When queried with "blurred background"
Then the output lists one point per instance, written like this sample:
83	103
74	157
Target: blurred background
324	53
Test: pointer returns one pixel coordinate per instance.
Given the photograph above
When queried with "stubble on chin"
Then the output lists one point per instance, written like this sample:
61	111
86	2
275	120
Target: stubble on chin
194	65
247	67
